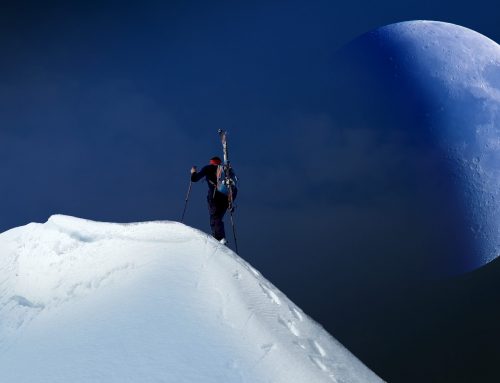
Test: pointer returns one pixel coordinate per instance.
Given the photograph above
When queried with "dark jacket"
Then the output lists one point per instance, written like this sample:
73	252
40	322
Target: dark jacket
210	174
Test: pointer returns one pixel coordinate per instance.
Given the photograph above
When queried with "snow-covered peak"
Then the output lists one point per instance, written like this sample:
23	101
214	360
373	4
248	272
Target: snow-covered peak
84	301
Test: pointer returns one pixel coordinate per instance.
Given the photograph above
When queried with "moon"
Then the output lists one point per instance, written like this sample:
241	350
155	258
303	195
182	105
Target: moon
418	102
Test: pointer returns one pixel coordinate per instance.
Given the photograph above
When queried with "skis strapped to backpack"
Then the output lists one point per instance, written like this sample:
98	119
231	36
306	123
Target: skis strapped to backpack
226	178
226	182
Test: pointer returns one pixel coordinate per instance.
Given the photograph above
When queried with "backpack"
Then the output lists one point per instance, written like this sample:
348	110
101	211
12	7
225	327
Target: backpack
226	183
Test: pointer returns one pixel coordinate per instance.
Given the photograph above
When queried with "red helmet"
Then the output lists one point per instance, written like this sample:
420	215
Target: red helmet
215	161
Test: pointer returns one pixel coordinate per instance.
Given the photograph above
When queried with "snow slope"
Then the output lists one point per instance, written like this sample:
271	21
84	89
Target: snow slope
84	301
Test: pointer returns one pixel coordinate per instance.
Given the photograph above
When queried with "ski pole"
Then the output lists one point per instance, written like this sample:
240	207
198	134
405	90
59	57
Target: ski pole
231	210
186	201
234	232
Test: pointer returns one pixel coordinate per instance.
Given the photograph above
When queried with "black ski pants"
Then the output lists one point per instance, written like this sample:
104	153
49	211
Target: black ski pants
217	206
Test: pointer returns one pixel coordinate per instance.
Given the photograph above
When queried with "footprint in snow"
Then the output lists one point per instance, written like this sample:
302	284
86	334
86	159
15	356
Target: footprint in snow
317	348
267	347
296	313
301	345
252	270
318	363
289	325
270	294
22	301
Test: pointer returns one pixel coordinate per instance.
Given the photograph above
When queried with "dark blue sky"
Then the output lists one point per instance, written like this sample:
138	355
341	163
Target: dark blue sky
105	106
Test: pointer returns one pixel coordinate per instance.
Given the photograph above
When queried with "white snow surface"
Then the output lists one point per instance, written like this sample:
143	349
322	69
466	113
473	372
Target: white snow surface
84	301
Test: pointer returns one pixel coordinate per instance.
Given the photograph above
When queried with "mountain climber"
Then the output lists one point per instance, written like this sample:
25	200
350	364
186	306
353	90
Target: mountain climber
218	202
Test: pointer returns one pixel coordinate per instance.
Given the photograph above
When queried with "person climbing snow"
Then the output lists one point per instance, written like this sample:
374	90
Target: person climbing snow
218	202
